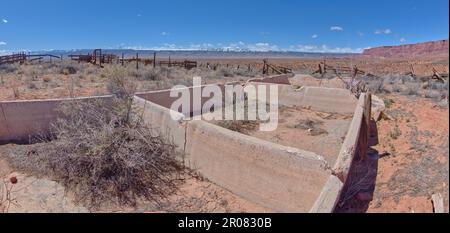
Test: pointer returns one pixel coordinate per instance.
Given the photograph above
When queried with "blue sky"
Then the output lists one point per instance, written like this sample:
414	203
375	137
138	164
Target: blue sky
310	26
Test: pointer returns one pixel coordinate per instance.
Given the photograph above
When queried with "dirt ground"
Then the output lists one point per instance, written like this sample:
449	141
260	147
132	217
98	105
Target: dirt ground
410	163
309	130
53	80
49	80
377	66
42	195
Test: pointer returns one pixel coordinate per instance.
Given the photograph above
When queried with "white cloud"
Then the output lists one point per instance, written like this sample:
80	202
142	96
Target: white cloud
165	34
2	43
383	31
337	28
360	34
4	20
402	40
324	49
314	36
139	15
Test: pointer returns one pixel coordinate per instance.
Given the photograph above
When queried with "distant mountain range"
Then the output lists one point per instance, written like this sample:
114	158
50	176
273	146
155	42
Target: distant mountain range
427	49
200	54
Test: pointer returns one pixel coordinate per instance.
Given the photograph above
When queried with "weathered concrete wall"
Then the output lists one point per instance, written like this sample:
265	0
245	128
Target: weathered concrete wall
310	81
165	122
351	141
162	97
333	100
328	198
282	178
20	120
328	99
278	79
269	174
331	192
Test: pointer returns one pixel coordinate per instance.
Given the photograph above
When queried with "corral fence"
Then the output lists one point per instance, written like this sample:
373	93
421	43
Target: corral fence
22	57
9	59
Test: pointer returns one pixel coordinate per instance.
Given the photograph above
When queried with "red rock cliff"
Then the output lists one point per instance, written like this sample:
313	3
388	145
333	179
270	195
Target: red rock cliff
433	48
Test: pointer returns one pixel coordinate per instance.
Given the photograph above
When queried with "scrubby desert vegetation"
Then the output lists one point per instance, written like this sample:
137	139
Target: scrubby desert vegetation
60	79
409	86
103	152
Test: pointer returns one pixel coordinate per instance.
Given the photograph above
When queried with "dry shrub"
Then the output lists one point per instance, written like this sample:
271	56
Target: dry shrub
314	127
103	151
46	79
241	126
6	198
68	69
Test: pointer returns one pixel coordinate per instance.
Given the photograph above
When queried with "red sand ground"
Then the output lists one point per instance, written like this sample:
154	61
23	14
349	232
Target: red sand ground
414	159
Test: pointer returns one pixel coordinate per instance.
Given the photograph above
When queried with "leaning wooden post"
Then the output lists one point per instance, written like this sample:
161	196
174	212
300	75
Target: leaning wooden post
137	61
100	58
154	59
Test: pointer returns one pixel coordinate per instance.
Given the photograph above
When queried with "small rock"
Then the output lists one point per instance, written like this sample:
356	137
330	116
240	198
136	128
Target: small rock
364	196
13	180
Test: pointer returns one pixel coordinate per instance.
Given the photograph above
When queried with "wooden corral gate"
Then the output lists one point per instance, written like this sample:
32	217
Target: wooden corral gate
267	67
96	58
187	64
22	57
435	76
353	71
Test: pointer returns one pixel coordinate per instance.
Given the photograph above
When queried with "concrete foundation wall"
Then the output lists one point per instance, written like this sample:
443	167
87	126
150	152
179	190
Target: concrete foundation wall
329	99
282	178
20	120
331	192
164	121
332	100
350	145
162	97
278	79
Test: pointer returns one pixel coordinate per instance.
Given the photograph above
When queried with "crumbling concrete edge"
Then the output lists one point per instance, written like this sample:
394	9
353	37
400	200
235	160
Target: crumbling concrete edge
174	122
329	196
331	192
255	169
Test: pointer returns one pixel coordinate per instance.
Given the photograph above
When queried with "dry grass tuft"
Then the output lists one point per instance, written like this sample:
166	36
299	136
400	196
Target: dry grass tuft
313	126
241	126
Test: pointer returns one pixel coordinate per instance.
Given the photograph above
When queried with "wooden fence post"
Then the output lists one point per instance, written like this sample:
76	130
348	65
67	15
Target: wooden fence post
137	61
